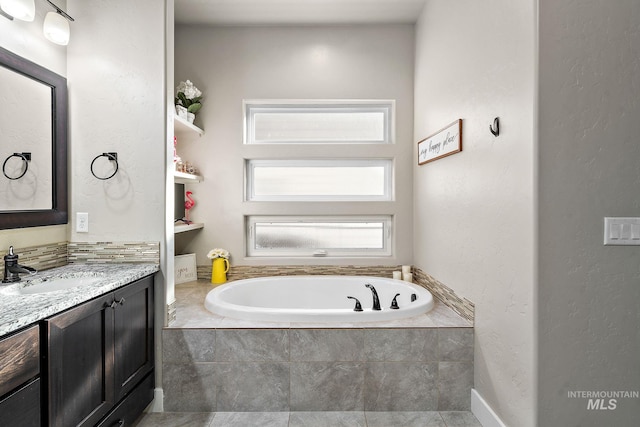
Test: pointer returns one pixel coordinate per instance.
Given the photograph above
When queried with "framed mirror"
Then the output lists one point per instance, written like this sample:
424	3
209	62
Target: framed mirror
33	144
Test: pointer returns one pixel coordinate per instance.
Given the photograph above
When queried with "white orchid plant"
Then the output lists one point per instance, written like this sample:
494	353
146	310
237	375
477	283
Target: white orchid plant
218	253
188	96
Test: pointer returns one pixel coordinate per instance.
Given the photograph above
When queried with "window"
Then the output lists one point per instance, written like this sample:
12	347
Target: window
318	122
338	154
319	180
319	236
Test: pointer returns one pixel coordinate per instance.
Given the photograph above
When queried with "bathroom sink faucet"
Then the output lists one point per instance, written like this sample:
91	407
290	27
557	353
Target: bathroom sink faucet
12	269
376	300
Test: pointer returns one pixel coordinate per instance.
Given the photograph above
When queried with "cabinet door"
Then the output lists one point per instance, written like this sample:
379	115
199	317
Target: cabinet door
133	335
79	362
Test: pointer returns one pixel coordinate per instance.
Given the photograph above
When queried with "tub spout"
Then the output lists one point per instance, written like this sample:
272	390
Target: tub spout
376	300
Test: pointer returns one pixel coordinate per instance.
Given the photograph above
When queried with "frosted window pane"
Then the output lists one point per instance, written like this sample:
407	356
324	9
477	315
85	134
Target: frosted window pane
319	235
319	122
290	180
319	126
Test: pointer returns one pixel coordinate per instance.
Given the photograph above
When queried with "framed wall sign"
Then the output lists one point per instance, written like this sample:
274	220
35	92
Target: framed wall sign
445	142
185	268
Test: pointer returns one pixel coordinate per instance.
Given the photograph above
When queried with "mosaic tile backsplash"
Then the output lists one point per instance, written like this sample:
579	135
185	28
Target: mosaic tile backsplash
114	252
58	254
237	272
462	306
41	257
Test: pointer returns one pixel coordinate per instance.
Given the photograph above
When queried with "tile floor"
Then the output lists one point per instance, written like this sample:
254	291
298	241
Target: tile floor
309	419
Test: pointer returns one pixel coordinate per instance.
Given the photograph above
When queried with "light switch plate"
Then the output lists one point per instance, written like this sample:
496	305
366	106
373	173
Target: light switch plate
622	231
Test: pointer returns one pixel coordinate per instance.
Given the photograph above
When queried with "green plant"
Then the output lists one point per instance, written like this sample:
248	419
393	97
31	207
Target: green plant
188	96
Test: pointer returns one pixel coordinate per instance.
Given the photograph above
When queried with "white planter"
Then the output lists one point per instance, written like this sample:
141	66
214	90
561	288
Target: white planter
190	117
182	112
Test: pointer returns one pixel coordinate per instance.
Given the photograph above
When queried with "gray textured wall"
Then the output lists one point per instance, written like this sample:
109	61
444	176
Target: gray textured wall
589	294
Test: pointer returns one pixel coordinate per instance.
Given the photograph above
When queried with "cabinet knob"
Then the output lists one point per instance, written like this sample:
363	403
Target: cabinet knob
122	300
112	305
120	422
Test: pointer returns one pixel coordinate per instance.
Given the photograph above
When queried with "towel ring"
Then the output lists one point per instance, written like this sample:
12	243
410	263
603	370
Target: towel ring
26	158
111	156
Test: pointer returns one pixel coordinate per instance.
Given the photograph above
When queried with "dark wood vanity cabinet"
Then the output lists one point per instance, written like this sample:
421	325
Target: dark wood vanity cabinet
20	379
99	359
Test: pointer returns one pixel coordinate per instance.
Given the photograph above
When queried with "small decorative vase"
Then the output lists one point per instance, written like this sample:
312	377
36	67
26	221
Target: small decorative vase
190	117
181	112
219	270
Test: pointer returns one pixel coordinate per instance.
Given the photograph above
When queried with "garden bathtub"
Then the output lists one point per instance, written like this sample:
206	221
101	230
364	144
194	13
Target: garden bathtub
317	299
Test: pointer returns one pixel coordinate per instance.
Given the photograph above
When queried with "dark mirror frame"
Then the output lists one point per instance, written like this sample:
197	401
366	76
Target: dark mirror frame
59	98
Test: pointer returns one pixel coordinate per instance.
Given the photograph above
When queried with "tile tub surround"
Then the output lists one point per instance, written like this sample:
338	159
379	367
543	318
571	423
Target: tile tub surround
237	272
18	310
245	370
460	305
295	367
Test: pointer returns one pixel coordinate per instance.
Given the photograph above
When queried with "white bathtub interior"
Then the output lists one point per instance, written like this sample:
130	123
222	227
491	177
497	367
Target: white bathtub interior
317	298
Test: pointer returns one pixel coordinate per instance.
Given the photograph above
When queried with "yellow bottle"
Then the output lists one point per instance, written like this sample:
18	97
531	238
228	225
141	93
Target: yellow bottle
219	270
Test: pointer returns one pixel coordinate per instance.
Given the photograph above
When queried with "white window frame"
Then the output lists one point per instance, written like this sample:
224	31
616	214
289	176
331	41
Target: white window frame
385	251
251	164
387	107
317	209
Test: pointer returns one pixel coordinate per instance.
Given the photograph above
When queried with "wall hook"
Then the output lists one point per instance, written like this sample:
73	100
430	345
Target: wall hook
495	129
111	156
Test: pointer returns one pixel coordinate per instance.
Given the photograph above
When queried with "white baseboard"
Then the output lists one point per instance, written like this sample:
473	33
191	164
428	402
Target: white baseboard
156	404
483	411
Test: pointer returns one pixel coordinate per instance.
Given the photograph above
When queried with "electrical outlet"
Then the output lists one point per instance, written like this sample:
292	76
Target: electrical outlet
82	222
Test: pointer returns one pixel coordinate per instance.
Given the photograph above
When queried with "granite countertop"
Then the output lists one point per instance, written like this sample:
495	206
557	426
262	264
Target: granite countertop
18	310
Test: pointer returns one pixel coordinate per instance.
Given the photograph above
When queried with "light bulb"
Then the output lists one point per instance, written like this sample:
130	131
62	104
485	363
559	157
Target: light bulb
56	28
25	10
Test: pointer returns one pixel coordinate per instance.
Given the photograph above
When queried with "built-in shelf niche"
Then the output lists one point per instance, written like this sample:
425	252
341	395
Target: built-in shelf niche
182	228
185	130
183	127
186	178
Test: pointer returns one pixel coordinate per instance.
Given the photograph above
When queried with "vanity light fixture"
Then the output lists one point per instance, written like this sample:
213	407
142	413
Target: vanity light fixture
56	26
25	10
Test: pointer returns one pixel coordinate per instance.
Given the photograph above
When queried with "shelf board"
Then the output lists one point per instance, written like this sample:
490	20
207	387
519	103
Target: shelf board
183	127
182	228
186	178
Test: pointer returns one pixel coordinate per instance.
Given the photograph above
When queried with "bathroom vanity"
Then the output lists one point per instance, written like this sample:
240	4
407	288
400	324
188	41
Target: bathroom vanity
88	363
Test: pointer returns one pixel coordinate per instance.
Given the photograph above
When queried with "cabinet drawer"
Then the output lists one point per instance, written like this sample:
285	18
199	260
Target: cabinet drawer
19	359
131	407
22	408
